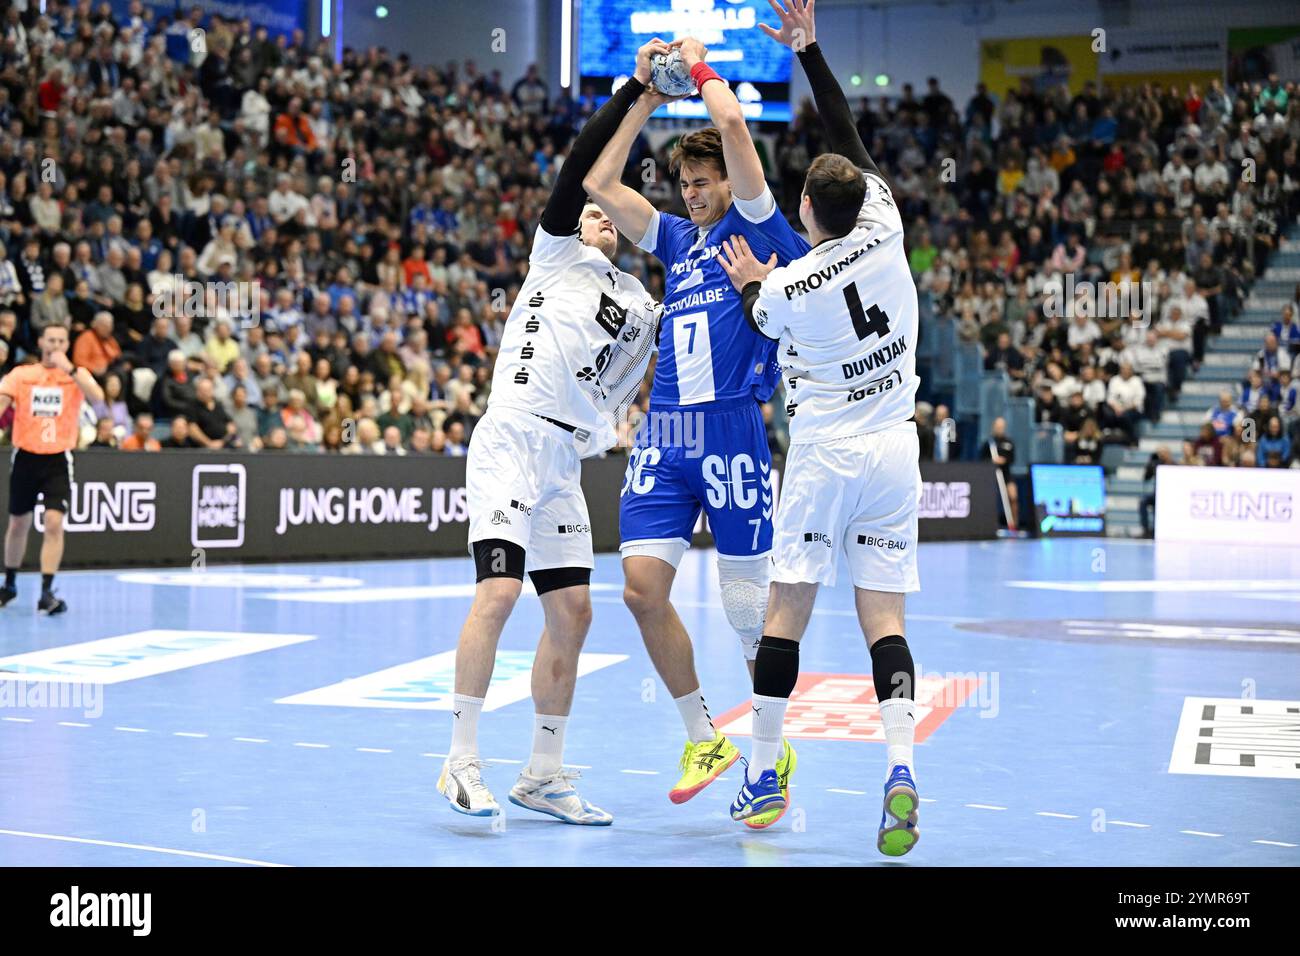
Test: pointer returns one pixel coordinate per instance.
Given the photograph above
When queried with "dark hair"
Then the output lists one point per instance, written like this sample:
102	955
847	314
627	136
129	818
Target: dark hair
700	146
836	189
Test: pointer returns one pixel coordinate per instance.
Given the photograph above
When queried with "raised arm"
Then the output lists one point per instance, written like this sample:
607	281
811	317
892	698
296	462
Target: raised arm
798	31
744	168
564	208
630	212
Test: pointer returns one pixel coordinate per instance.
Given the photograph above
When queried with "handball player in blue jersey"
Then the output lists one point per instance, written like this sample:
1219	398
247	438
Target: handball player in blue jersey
704	445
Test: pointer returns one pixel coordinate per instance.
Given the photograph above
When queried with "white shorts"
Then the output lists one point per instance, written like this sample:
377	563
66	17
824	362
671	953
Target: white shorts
856	496
523	483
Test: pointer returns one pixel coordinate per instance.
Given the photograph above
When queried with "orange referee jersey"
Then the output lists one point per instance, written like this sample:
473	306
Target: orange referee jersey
47	405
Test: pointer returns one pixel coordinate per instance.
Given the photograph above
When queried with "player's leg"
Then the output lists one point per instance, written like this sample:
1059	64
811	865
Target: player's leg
55	484
735	483
15	547
23	490
51	559
561	543
497	482
657	515
808	523
881	551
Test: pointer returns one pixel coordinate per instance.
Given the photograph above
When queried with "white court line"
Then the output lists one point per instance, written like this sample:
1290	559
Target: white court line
433	755
373	750
1125	823
984	806
140	846
187	733
1200	833
852	793
828	611
929	800
503	760
1059	816
132	730
642	773
1260	842
252	740
578	766
71	723
19	720
1158	586
313	746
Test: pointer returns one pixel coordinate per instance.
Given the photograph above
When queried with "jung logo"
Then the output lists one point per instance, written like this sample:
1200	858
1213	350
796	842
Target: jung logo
218	506
104	506
1241	505
945	499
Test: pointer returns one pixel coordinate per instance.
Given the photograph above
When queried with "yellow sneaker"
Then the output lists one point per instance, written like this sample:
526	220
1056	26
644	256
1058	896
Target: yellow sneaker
703	763
784	769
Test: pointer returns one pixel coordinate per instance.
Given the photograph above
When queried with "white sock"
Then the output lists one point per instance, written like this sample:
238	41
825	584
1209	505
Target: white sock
695	715
769	717
548	745
897	716
464	725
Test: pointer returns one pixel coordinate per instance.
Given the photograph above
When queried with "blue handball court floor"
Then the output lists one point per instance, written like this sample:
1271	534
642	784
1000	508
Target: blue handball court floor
1081	702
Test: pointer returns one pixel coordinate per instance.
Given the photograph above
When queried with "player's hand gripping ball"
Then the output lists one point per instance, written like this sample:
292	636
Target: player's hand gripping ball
669	74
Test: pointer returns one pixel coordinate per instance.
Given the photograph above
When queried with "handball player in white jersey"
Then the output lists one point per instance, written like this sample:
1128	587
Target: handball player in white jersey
845	318
573	354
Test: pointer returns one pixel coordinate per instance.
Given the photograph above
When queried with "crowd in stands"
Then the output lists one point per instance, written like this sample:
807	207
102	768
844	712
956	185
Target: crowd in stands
357	231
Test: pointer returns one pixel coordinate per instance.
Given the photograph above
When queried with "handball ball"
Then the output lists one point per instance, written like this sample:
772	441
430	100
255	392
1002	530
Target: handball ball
669	74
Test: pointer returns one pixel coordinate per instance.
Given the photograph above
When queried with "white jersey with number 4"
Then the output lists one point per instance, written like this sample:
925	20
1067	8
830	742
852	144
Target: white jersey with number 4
577	343
845	315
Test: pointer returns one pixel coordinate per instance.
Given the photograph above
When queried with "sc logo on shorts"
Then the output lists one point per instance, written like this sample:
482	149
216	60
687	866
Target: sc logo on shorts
635	478
733	483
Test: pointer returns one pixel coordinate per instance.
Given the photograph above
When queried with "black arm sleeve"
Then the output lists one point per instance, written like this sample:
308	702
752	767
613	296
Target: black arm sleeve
749	298
564	208
841	131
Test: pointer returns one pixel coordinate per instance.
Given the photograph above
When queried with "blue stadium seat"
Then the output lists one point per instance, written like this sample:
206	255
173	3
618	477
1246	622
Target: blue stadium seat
1048	445
968	367
1020	429
945	350
995	398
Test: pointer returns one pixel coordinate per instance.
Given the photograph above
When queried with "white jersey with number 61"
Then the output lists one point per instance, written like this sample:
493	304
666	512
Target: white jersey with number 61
845	315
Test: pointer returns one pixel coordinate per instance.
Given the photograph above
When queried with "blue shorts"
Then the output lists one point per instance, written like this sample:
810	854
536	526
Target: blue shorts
712	456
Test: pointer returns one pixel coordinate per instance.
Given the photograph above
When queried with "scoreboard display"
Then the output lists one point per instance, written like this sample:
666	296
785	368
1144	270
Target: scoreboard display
756	66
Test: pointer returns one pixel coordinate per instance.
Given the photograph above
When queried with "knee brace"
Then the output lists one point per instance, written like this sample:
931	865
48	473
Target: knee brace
743	583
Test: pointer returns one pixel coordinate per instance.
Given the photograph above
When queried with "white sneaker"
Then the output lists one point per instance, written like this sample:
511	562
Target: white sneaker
556	796
461	782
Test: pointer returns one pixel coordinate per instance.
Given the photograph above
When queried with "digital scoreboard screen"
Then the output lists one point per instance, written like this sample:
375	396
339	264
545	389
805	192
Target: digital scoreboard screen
756	66
1069	499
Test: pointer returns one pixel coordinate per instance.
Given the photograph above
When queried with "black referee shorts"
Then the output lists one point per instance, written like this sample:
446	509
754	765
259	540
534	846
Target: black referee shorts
31	475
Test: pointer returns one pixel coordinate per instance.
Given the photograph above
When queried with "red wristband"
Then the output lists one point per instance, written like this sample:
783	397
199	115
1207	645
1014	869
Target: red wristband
701	73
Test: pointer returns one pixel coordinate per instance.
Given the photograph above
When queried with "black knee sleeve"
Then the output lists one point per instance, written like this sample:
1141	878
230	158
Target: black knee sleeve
776	668
892	668
498	558
552	579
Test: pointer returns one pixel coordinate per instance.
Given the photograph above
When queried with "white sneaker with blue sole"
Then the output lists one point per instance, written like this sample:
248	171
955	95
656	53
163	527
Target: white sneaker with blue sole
557	797
461	782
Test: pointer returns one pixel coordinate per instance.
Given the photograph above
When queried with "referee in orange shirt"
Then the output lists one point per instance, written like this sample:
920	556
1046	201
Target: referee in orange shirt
47	401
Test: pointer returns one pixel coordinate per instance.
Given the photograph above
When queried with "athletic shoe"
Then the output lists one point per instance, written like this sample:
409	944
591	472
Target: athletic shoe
461	782
784	768
49	604
556	796
7	595
760	796
702	763
898	829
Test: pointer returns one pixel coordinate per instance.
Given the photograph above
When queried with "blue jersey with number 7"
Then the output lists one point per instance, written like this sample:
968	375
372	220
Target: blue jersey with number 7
707	351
